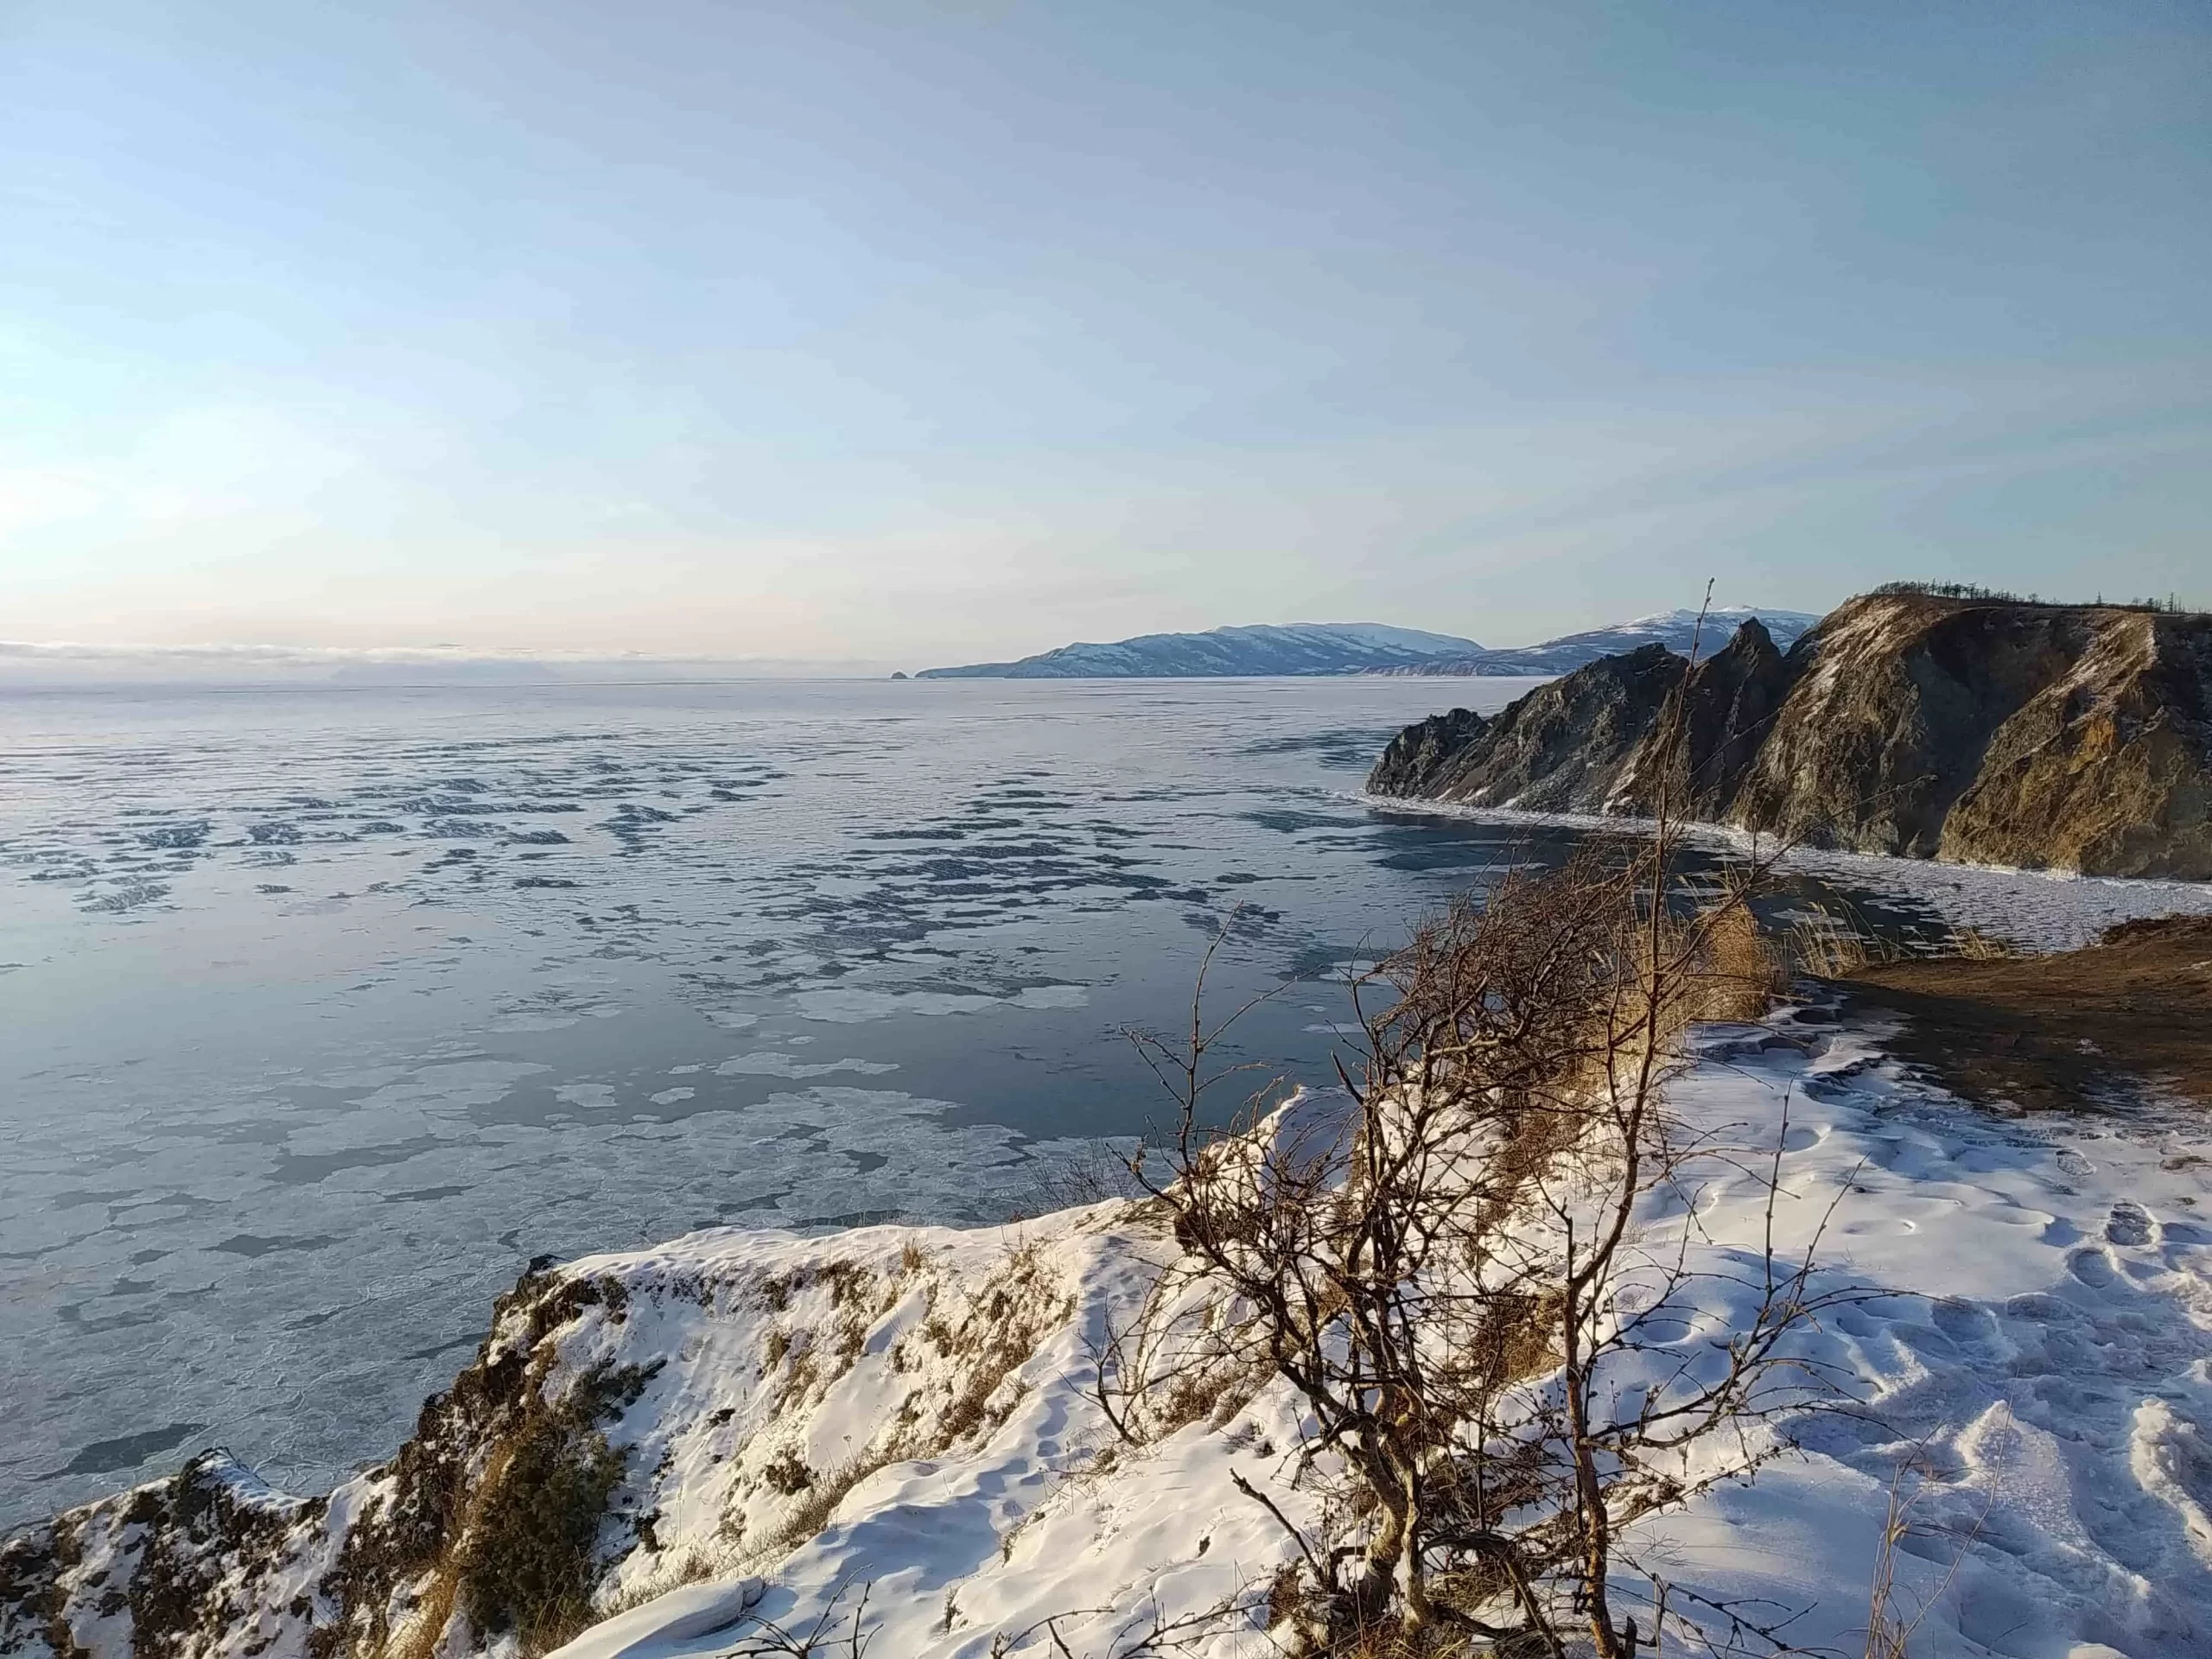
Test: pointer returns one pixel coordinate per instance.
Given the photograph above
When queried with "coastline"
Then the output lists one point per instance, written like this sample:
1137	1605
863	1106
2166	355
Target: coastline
906	1409
2052	909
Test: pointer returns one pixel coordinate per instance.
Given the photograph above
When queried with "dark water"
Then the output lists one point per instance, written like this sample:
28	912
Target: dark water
322	1011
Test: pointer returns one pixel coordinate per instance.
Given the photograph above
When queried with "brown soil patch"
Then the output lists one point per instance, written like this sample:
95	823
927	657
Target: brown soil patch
2059	1031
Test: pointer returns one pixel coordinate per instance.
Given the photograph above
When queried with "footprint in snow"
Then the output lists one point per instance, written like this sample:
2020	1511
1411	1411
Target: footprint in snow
2130	1225
1967	1324
2092	1267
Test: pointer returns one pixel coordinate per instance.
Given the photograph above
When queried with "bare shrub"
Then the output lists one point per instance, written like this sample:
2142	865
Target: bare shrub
1451	1276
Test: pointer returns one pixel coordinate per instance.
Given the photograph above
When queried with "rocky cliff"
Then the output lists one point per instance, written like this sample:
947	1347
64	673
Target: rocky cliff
2072	737
1561	748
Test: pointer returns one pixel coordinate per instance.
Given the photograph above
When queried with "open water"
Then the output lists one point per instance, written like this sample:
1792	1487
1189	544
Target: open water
323	1010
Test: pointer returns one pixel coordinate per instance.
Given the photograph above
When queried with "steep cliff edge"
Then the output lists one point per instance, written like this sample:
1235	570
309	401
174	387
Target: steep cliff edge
2071	737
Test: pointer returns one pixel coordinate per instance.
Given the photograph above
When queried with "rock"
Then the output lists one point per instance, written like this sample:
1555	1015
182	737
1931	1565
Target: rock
1411	765
1730	700
2072	737
1560	749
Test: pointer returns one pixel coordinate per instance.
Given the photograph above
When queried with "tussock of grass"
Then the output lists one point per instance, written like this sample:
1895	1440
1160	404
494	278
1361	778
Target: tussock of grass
1741	974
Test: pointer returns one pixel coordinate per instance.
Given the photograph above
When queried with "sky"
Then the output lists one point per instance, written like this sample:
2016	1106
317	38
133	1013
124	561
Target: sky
925	332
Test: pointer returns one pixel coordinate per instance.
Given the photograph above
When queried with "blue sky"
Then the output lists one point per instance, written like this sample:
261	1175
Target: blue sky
938	331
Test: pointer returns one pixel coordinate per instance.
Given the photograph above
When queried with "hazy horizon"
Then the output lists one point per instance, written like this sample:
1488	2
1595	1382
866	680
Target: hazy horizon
916	334
66	663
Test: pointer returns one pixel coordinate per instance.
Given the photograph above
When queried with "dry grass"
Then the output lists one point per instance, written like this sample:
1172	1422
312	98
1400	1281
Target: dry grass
1972	944
1828	946
798	1384
1741	974
813	1510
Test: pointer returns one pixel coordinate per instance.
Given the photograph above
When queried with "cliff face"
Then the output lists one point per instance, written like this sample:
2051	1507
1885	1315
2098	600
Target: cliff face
2108	769
1559	749
1416	760
2039	735
1729	700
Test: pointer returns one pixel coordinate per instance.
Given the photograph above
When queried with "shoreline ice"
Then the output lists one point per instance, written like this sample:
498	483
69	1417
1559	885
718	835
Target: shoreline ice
2034	910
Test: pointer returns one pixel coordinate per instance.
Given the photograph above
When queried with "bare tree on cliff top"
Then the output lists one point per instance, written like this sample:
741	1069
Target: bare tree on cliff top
1456	1279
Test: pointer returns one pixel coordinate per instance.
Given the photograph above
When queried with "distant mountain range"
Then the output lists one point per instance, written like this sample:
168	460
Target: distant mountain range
1676	630
1291	648
1322	648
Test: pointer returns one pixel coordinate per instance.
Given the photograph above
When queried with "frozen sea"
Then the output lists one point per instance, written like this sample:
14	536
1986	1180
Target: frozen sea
323	1010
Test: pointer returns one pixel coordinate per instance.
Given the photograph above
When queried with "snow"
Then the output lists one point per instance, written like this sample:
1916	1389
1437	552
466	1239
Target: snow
2042	1343
1380	636
900	1416
665	1622
1729	616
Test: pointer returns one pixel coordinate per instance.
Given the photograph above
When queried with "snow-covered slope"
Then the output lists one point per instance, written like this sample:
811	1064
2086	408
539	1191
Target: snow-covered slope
1291	648
739	1428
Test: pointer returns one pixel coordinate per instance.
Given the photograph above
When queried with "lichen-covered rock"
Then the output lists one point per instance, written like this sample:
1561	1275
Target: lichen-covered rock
2071	737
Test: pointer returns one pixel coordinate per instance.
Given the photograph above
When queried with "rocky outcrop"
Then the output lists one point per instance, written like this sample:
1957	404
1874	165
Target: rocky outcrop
1560	749
2073	737
1415	762
1688	633
1729	700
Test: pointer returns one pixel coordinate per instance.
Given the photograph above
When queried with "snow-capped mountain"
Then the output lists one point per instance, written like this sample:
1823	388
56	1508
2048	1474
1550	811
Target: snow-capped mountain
1291	648
1679	631
1310	648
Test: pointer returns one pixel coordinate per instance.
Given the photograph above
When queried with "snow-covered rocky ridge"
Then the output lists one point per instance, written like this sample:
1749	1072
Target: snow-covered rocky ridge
1680	632
743	1429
